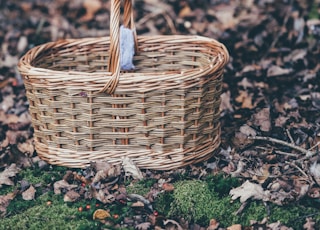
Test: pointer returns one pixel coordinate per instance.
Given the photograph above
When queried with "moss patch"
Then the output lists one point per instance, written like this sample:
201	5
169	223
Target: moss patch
39	215
141	187
199	201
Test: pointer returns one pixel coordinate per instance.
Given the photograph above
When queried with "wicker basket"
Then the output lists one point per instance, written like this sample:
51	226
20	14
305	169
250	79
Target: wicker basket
162	115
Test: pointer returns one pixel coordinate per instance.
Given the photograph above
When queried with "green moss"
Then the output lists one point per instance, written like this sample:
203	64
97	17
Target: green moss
163	202
255	210
141	187
200	201
194	201
294	215
314	11
6	189
222	183
39	215
36	175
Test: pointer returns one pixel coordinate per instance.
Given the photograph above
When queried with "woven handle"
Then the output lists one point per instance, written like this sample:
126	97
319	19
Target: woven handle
114	56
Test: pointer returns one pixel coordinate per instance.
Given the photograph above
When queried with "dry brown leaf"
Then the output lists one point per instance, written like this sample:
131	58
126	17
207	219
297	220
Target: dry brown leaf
310	224
101	165
241	140
7	103
5	201
262	119
226	102
7	174
214	224
275	70
101	214
247	130
11	118
91	6
245	99
314	193
185	11
137	204
248	190
62	184
168	187
172	225
261	174
131	169
29	194
27	147
103	196
71	196
143	226
235	227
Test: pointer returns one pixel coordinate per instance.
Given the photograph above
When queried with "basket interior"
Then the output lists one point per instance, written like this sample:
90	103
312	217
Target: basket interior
151	58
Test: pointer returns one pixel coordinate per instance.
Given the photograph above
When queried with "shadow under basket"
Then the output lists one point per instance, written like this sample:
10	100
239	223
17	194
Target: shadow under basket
163	115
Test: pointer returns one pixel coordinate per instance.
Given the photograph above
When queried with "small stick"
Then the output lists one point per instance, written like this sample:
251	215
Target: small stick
285	153
316	145
297	167
270	139
290	137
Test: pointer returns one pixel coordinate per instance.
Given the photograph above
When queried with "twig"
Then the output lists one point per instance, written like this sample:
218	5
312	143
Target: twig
297	167
316	145
290	137
270	139
285	153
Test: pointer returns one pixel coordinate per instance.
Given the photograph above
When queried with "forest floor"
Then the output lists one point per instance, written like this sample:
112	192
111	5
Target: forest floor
266	174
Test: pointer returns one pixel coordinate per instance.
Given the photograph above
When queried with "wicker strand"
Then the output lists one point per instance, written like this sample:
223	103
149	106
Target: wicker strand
114	58
128	21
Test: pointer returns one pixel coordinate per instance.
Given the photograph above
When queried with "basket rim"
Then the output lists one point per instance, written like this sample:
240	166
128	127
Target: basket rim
49	76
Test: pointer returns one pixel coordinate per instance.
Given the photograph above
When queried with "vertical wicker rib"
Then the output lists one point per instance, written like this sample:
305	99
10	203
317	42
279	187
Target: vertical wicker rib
163	115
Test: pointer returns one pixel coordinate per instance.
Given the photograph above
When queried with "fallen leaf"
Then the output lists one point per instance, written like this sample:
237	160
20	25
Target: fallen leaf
91	6
185	11
235	227
262	119
172	225
214	224
168	187
5	201
314	193
137	197
29	194
131	169
7	174
71	196
310	224
62	184
247	130
101	214
315	170
248	190
245	99
275	70
226	105
137	204
103	196
27	147
143	226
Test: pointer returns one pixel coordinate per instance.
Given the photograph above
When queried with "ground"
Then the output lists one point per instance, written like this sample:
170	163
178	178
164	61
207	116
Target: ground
266	172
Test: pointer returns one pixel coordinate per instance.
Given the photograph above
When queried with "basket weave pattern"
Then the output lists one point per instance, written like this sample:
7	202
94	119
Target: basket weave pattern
163	115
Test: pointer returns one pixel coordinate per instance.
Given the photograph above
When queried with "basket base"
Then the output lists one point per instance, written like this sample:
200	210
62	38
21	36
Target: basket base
144	159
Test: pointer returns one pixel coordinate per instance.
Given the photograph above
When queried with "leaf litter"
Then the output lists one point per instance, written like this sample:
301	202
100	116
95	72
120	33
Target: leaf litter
269	111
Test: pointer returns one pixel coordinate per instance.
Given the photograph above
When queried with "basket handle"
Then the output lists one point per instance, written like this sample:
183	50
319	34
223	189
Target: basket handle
114	55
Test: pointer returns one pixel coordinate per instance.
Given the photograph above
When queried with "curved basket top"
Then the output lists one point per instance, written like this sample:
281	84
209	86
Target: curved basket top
211	57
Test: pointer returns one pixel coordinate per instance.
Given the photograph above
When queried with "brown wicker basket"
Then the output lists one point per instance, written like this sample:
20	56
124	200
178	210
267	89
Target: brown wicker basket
162	115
